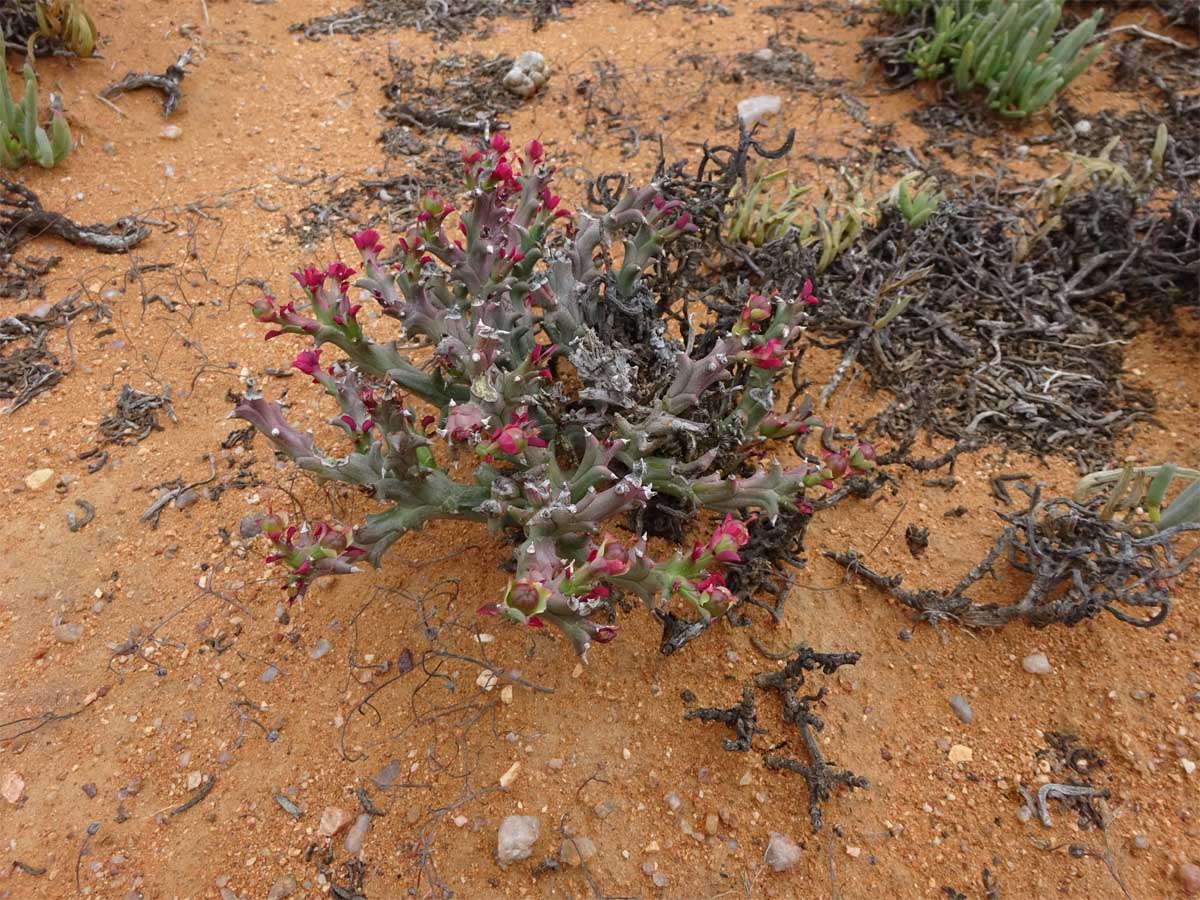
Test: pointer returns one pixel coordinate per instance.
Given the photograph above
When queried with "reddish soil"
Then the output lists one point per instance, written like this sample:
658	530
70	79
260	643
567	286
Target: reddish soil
121	739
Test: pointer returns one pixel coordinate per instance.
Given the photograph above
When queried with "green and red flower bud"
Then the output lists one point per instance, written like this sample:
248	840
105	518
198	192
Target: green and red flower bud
758	309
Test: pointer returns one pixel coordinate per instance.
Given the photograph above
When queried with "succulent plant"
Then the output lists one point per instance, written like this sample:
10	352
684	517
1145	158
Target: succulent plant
67	22
1006	49
21	138
535	389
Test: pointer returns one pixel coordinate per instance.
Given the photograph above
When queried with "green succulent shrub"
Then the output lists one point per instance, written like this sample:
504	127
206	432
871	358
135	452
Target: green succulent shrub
1003	48
22	140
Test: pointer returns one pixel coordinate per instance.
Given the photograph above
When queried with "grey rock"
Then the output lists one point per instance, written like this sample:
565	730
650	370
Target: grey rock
283	887
515	839
961	708
320	649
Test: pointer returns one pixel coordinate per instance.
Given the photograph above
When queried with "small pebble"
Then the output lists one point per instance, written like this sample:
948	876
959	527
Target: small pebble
1036	664
320	649
673	802
782	852
269	674
515	838
171	133
283	887
357	835
604	809
1083	127
1189	877
333	821
753	109
510	776
38	479
961	708
388	775
68	632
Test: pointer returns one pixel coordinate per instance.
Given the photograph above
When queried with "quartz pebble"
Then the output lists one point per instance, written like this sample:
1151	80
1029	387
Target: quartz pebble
753	109
171	133
510	776
11	787
960	753
357	835
782	852
320	649
283	887
333	821
515	838
38	479
1036	664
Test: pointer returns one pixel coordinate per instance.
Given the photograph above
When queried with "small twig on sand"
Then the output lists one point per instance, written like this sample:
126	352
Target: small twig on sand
167	83
205	787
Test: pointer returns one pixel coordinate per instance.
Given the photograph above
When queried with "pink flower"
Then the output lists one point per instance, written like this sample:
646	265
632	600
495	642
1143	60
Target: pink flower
311	279
806	294
838	463
768	355
608	558
341	273
514	437
725	542
308	361
500	143
715	597
539	360
775	426
367	241
533	151
355	427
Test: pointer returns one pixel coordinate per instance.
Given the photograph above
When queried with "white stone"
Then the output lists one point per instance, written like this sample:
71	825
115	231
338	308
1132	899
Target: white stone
515	839
782	852
38	479
753	109
1036	664
510	776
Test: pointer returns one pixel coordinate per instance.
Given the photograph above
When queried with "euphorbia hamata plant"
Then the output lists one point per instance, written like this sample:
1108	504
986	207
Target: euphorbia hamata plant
554	431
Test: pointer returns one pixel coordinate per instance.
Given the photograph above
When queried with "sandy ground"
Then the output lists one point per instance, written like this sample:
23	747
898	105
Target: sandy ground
220	687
